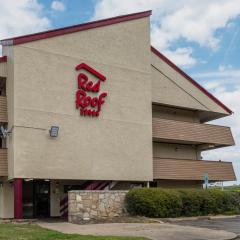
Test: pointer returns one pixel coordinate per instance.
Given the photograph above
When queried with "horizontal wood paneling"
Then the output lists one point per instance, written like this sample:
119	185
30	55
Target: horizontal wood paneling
3	69
3	109
180	169
192	133
3	162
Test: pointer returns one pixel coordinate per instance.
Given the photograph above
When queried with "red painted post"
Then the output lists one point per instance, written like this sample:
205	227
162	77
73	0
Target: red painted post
18	209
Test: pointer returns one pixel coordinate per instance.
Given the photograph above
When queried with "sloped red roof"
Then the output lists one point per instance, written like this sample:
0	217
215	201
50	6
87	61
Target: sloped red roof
201	88
75	28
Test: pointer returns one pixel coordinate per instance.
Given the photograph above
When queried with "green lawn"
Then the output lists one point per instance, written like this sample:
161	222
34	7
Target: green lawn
34	232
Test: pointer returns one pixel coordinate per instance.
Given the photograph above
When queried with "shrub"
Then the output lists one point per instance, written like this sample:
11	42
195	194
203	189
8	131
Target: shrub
192	202
234	202
151	202
156	202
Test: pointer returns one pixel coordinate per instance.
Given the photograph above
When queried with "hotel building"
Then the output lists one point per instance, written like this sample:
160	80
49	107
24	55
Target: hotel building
95	106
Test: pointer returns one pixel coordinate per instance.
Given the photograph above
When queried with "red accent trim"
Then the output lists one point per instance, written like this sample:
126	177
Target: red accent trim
102	186
75	28
64	207
85	185
64	201
170	63
91	70
18	209
92	186
3	59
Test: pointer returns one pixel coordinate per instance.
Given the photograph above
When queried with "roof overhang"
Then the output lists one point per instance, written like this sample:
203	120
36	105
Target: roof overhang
186	76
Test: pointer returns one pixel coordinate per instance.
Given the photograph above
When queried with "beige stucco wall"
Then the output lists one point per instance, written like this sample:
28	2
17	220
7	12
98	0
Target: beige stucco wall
171	88
176	151
55	198
159	111
6	200
115	146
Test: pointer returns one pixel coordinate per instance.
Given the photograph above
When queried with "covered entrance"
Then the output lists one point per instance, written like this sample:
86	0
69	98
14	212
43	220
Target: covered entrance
36	199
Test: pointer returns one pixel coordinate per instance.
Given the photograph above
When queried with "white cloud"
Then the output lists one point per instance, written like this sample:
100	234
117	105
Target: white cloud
194	21
218	83
58	6
21	17
231	99
181	56
222	68
224	77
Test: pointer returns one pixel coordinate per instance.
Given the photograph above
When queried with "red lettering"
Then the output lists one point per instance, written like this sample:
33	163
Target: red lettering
96	87
101	101
80	95
86	85
82	79
89	86
83	101
89	105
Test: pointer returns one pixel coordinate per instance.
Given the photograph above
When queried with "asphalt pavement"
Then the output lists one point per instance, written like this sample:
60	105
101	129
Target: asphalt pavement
154	231
230	224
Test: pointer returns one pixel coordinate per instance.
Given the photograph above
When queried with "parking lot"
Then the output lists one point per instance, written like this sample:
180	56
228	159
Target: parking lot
230	224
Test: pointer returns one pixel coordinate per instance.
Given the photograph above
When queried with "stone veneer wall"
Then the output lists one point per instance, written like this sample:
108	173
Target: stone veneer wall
88	205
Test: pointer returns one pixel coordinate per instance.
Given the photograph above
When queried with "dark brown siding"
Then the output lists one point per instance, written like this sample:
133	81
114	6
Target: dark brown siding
179	169
3	163
191	133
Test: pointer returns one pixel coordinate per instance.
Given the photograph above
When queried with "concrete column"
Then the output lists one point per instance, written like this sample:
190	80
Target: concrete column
18	206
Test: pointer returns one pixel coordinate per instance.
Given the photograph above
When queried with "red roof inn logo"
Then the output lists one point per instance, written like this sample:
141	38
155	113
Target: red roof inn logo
86	99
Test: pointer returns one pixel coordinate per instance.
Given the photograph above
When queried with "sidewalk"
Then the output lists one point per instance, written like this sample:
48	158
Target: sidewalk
155	231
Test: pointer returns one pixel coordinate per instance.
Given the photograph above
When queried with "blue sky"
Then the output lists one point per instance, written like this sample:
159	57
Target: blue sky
202	37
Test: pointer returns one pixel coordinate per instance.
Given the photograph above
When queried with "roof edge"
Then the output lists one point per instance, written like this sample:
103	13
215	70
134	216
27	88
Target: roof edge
196	84
74	28
3	59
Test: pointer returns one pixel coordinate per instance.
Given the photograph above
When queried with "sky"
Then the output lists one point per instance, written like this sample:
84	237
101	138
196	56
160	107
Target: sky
201	37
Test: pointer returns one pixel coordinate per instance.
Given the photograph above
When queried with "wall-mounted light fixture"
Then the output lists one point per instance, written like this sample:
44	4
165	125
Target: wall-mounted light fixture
54	131
4	132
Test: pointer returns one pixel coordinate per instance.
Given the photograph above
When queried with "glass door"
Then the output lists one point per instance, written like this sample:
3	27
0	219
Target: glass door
41	199
28	201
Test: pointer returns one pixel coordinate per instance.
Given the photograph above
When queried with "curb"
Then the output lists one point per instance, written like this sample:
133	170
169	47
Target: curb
237	237
20	221
172	220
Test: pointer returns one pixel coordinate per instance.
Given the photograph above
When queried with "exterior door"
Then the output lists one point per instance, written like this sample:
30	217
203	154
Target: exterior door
41	199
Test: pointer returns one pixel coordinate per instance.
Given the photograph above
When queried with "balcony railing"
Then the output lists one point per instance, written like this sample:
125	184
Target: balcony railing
206	135
3	162
3	109
180	169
